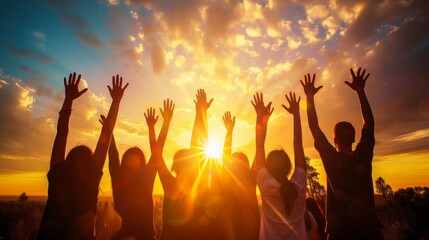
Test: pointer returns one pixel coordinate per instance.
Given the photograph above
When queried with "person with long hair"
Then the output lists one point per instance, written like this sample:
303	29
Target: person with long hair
132	187
283	199
350	212
239	189
71	207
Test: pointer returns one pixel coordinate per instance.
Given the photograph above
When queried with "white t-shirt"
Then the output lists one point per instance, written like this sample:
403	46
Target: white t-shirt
274	223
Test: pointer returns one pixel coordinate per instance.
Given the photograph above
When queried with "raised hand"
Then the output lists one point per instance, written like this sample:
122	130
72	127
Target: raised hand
150	117
167	113
262	112
359	80
228	122
71	87
293	103
117	91
102	119
201	103
308	84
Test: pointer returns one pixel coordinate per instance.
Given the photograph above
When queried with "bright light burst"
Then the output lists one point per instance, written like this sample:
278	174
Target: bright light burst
213	149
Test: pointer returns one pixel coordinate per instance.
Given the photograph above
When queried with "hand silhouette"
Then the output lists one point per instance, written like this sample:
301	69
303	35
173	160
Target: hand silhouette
150	117
293	103
102	119
201	103
117	91
228	122
308	84
71	87
167	113
359	80
262	112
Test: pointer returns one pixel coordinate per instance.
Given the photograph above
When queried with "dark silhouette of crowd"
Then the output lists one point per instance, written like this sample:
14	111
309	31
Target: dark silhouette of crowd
204	199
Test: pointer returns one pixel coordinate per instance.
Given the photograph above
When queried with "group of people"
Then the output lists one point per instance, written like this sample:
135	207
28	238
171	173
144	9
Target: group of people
206	200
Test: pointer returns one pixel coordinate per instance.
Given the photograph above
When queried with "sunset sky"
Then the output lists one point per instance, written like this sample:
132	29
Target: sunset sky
232	49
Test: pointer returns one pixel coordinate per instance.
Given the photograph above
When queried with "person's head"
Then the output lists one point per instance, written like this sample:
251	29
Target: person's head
279	166
312	206
344	134
80	167
78	161
240	164
184	160
133	159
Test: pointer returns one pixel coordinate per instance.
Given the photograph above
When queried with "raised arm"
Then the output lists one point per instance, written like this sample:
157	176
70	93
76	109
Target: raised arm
116	92
151	121
297	130
113	153
263	113
71	92
310	90
201	111
167	179
358	84
229	124
167	115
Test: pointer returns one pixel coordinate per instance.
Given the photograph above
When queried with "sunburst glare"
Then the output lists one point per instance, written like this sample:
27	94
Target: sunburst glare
213	149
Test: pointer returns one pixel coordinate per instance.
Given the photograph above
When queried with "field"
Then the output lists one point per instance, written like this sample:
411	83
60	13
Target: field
20	220
404	216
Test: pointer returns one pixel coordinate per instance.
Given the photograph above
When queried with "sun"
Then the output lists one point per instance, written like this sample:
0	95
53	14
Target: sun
214	149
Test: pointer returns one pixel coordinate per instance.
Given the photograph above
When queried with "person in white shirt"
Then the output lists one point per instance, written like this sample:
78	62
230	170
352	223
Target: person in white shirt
283	200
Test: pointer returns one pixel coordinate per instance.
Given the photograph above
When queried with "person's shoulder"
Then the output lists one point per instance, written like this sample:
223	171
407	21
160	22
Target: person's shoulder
299	177
262	173
57	170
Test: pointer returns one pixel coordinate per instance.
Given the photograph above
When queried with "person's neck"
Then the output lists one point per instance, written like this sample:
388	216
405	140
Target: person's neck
345	149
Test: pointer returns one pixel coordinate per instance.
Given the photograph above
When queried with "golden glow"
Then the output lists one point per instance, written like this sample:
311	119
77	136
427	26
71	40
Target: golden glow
213	149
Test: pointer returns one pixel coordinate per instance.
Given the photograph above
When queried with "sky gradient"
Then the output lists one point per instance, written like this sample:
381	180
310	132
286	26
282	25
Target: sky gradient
232	49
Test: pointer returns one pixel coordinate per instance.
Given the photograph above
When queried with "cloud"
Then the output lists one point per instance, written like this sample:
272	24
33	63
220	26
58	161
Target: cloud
27	53
75	21
89	39
20	130
375	14
413	136
157	57
30	71
29	123
39	35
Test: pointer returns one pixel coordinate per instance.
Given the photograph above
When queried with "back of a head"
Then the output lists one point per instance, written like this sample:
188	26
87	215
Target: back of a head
78	160
80	168
133	159
344	133
183	160
312	206
240	164
279	165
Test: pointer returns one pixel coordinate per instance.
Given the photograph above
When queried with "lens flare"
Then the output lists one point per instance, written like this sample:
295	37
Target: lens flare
213	149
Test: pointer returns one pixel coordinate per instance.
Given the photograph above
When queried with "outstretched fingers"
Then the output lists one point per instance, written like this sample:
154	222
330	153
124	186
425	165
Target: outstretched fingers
102	119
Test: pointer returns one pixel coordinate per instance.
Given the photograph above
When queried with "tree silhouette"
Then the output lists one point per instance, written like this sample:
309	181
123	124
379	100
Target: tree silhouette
23	197
384	189
314	188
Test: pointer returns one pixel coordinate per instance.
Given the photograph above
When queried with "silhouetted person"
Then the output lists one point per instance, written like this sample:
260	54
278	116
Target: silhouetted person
283	200
241	215
73	182
209	201
178	205
313	207
311	226
350	210
132	187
